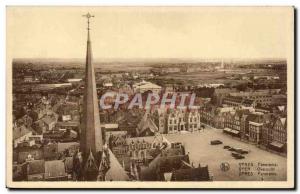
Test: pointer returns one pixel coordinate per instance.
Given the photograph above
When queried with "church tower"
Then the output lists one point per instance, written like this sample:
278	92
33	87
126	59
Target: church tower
91	142
91	135
94	161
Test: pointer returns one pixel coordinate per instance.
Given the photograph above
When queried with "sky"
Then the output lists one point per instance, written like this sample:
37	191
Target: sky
150	32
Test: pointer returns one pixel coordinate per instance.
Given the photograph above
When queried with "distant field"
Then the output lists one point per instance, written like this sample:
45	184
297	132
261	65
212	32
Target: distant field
199	77
217	76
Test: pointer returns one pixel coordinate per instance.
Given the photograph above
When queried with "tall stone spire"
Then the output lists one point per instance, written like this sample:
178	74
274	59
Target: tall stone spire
98	162
91	135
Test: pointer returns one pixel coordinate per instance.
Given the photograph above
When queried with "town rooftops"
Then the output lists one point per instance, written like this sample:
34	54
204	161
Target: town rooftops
20	131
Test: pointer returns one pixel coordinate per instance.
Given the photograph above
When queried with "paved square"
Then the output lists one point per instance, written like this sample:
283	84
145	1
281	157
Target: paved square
200	150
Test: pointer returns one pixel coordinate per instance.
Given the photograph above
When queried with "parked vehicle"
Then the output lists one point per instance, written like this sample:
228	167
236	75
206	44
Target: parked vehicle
237	155
232	149
241	151
215	142
226	147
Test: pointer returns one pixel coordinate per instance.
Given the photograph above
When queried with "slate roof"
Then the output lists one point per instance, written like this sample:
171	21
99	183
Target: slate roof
161	165
20	131
54	169
283	121
69	164
48	120
36	167
146	123
116	171
191	174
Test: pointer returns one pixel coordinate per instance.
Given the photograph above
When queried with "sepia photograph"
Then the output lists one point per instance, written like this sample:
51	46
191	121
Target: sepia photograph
150	97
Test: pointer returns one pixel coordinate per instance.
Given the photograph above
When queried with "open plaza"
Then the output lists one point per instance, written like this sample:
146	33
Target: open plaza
200	150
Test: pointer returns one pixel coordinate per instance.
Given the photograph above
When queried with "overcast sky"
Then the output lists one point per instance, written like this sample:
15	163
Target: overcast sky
60	32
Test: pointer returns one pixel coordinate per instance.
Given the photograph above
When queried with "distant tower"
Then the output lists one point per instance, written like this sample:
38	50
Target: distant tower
222	64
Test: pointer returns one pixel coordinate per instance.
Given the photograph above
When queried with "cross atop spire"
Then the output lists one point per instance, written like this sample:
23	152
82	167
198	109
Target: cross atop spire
88	16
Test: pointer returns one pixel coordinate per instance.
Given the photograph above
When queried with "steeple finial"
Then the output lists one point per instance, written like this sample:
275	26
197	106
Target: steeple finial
88	16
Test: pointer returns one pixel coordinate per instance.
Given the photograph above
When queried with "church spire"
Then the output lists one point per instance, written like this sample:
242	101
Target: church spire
91	135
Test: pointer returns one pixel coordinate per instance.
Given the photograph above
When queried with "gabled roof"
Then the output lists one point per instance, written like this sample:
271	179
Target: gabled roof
116	171
185	165
48	119
54	169
69	164
90	165
36	167
283	121
146	123
281	108
242	112
160	138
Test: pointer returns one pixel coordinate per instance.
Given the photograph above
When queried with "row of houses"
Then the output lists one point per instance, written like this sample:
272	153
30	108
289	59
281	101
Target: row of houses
265	129
232	97
169	121
41	170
